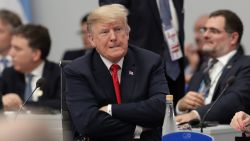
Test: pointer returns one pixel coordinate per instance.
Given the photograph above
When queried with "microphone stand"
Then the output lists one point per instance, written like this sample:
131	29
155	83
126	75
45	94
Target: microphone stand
229	82
21	107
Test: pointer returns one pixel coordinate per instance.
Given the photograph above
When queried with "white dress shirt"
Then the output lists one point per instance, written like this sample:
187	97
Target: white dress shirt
37	74
215	73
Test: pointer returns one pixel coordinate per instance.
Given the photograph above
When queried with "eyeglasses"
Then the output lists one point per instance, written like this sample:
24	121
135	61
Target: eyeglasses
212	30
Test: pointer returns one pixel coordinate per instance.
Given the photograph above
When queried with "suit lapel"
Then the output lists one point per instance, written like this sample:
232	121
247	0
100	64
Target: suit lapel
227	72
21	84
128	78
196	80
103	79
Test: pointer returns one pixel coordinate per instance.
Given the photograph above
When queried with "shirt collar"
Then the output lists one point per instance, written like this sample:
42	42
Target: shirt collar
225	59
38	71
109	63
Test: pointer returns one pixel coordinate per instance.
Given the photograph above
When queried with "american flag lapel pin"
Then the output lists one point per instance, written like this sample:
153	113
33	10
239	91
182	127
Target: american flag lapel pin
130	72
229	66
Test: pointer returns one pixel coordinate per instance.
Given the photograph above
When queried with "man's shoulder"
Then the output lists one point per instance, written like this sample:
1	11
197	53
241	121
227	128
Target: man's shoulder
75	51
51	65
10	72
72	54
81	63
141	52
243	60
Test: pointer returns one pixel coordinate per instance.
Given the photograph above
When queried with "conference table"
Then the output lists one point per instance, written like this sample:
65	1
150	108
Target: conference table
54	122
220	132
51	122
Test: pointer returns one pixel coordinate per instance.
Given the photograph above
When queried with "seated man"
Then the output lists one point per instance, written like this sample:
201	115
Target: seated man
30	46
8	21
222	33
112	93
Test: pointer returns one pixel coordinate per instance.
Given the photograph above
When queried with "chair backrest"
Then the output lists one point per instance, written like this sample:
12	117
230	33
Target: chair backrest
66	121
69	132
186	136
63	63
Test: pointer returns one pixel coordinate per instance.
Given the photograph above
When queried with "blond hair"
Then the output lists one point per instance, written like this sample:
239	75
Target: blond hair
107	14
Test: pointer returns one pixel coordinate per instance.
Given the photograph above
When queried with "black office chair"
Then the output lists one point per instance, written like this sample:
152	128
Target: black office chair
69	132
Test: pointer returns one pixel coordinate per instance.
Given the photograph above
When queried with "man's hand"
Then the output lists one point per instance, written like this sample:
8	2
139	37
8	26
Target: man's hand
192	100
104	108
240	121
11	101
186	117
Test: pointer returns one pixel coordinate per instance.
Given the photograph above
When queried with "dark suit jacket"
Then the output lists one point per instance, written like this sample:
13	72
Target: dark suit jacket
143	87
236	97
146	32
14	82
73	54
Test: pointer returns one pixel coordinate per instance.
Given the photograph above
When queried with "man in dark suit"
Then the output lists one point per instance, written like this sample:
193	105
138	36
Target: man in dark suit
100	107
145	22
30	47
8	21
222	33
73	54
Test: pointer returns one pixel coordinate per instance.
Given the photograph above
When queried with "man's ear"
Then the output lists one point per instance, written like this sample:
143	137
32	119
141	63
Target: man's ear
234	38
36	54
91	40
128	30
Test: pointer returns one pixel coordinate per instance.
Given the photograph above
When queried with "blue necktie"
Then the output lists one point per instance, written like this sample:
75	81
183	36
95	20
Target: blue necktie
210	65
28	87
172	67
5	62
206	83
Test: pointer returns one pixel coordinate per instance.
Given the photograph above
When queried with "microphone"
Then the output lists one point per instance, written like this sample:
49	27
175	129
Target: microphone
229	82
39	83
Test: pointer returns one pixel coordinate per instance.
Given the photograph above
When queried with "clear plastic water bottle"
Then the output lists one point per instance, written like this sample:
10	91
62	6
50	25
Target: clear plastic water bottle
169	124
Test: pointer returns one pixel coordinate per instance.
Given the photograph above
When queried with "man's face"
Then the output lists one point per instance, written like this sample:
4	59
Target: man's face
5	36
218	42
23	56
110	39
84	34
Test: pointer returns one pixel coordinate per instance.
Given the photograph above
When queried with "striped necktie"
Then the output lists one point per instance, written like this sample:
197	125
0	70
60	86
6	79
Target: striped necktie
28	87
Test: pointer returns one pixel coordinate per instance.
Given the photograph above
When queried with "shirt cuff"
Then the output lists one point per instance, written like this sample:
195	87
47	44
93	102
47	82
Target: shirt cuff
109	109
197	114
138	131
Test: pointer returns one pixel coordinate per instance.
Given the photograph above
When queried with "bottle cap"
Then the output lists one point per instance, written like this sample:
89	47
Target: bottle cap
169	97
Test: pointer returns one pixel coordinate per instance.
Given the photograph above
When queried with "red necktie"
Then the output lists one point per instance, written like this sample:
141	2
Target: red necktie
114	69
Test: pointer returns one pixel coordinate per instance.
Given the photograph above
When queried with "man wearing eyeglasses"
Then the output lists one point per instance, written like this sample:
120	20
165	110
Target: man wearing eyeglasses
222	34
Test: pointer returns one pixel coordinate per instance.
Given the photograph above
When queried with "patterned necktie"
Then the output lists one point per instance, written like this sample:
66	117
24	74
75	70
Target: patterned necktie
207	79
206	83
172	67
114	69
28	87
